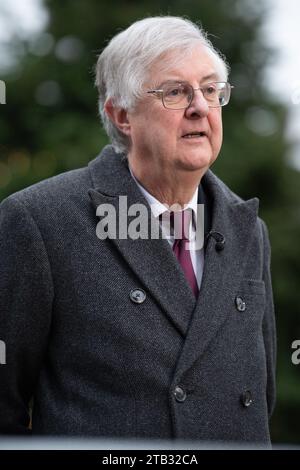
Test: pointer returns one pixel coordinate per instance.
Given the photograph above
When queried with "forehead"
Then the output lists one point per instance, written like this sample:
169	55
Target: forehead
196	64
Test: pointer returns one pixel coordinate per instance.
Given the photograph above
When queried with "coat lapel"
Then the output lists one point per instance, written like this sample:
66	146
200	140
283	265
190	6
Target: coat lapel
223	270
151	260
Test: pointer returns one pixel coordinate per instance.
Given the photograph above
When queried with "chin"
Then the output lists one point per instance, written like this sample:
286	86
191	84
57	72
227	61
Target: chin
196	162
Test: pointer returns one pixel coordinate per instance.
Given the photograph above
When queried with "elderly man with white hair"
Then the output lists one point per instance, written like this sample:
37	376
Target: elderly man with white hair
135	293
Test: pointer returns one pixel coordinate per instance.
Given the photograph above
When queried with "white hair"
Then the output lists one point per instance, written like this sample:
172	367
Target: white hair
123	66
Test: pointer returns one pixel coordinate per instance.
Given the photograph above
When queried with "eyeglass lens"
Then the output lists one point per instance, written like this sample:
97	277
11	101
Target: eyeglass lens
181	95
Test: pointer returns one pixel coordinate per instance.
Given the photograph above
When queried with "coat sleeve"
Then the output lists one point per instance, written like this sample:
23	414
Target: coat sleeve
26	295
269	326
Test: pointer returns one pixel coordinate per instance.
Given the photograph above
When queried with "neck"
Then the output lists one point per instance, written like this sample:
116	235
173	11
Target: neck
177	187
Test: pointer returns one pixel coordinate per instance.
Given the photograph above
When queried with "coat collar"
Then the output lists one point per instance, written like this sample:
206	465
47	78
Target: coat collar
156	267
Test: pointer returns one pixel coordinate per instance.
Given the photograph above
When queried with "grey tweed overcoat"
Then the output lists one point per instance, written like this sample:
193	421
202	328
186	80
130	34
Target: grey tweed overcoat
99	363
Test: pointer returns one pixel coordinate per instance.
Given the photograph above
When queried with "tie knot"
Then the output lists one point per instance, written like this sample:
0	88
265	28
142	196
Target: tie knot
180	222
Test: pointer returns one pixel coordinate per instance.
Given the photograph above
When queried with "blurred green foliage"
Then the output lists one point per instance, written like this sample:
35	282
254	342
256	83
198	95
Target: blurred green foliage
50	125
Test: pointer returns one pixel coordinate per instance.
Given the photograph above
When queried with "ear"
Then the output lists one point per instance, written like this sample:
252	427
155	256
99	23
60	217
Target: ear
118	116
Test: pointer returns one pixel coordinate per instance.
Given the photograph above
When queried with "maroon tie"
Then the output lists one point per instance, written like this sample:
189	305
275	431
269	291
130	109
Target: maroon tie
181	221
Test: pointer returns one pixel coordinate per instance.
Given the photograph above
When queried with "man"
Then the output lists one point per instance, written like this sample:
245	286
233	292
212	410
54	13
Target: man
121	336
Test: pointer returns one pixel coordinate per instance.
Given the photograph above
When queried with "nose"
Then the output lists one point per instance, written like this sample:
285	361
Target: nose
198	107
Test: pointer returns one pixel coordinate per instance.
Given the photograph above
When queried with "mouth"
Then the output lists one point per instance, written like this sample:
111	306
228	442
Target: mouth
194	135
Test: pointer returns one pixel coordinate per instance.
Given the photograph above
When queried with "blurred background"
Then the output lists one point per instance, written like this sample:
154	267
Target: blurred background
49	123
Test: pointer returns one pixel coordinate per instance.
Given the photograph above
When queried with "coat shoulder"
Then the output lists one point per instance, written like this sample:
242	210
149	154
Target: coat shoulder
52	192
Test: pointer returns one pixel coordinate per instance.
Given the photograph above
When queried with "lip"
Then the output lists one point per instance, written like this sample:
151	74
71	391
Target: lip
197	139
189	135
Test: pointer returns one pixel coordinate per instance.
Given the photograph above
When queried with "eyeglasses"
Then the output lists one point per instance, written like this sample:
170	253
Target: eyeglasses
180	95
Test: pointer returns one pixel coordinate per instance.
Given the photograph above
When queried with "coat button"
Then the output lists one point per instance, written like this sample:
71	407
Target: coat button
180	394
246	398
240	304
138	296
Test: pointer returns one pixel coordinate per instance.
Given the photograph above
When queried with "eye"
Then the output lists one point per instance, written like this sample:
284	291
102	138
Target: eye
173	91
210	90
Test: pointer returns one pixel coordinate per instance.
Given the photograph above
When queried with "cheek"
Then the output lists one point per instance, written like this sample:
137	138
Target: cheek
172	125
165	129
215	121
155	128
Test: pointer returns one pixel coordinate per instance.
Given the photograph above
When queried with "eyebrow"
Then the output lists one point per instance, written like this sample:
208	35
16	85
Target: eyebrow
213	76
